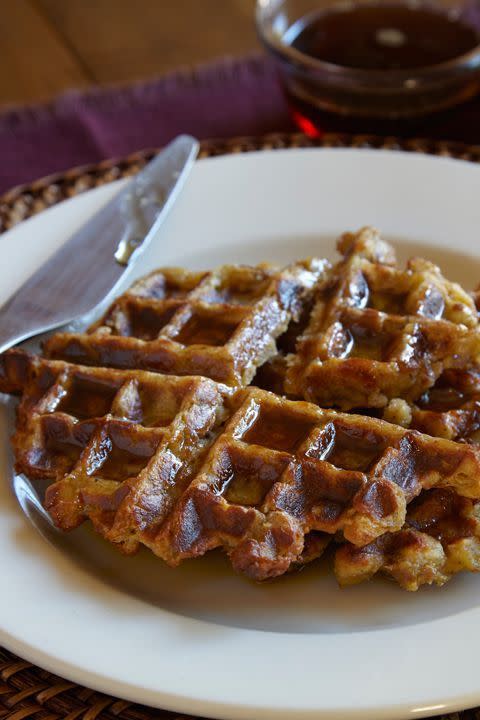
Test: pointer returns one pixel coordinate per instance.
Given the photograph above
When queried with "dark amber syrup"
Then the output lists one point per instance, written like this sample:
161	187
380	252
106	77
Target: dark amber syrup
383	36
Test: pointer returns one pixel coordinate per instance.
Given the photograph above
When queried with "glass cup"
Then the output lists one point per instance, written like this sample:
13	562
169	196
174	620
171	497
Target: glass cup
326	95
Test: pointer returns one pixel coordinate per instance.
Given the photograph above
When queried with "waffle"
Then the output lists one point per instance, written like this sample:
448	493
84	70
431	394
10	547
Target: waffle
272	374
441	537
329	472
377	332
450	409
221	324
120	420
184	465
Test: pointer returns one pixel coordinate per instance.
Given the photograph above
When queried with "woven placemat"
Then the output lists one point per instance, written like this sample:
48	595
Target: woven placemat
27	691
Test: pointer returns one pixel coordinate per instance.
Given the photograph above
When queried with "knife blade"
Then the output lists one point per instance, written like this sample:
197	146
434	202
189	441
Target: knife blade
87	268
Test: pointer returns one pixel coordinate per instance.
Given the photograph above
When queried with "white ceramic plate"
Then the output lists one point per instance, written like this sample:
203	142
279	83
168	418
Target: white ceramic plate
200	639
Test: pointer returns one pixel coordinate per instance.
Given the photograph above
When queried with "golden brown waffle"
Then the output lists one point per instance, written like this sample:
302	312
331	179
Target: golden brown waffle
272	374
123	420
450	409
149	460
441	537
305	469
377	332
221	324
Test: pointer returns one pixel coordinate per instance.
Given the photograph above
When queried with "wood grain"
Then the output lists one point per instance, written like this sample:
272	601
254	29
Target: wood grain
36	63
124	40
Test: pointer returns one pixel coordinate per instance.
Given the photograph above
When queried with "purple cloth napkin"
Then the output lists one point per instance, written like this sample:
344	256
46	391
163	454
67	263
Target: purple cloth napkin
223	99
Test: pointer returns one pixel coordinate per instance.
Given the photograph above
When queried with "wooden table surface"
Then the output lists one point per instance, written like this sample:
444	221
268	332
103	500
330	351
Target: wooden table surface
51	45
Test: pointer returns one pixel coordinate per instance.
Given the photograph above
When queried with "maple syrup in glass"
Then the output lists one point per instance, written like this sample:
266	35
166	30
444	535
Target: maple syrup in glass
383	36
373	66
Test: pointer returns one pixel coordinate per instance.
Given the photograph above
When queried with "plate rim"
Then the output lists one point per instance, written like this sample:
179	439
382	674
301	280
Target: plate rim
22	201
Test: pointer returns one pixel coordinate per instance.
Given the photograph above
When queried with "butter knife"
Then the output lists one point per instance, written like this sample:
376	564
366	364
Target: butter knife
87	268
